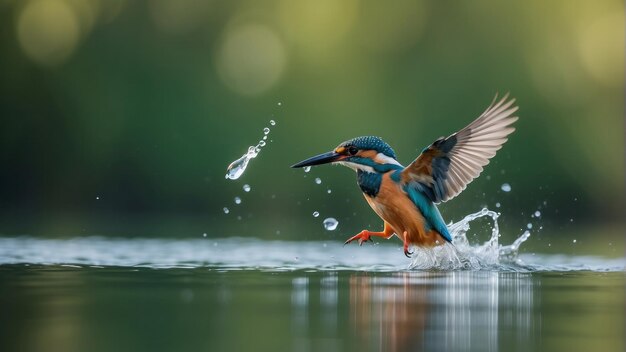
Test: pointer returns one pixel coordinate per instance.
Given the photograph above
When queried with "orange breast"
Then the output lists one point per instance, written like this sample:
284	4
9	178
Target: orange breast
395	207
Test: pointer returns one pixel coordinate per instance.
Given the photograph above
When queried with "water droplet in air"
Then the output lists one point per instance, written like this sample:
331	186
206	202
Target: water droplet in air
329	191
204	234
266	130
237	167
316	214
246	188
237	200
226	210
262	143
537	214
574	241
497	205
330	224
97	198
272	122
264	138
506	187
318	180
529	226
307	169
279	103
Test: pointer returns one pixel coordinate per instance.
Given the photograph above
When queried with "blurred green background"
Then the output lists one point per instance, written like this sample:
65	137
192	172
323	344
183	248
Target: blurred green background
119	118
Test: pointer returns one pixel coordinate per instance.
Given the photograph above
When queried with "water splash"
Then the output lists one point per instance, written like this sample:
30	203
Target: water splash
330	224
462	254
237	167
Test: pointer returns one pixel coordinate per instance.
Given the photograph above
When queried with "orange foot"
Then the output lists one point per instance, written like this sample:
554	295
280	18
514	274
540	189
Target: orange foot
406	246
365	235
362	236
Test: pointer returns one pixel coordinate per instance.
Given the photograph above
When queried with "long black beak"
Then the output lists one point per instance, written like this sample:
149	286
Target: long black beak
319	159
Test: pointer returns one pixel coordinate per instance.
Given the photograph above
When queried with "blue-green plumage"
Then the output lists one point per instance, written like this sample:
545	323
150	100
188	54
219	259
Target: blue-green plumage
429	210
369	182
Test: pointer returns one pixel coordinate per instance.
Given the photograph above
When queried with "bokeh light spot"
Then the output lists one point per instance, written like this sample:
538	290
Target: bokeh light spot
251	59
48	31
179	16
317	26
602	49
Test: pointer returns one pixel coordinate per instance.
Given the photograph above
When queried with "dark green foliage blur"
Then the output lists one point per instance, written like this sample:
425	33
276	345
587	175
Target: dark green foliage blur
119	118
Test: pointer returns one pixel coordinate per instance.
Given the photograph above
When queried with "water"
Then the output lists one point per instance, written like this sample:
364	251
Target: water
247	294
330	224
237	167
194	305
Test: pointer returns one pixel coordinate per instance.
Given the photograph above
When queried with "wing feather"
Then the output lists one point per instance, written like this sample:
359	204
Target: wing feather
448	165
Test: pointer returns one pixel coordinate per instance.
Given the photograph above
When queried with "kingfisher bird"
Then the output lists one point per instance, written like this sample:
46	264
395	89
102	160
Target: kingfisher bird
405	198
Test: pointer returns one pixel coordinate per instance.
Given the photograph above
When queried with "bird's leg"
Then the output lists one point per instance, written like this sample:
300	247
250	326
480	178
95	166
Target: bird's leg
365	235
406	245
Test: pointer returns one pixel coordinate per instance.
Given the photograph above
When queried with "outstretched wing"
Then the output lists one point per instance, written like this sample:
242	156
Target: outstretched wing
448	165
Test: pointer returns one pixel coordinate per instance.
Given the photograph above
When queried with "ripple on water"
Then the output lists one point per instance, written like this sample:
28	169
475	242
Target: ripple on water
254	254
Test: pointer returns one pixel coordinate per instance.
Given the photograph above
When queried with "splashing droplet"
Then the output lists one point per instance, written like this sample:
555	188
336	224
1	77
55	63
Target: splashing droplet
330	224
272	122
537	214
318	180
497	205
204	234
316	214
329	191
307	168
226	210
279	103
573	241
506	187
246	188
237	167
237	200
98	198
529	226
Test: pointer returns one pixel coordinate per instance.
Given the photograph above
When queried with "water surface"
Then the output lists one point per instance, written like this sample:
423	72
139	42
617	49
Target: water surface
96	294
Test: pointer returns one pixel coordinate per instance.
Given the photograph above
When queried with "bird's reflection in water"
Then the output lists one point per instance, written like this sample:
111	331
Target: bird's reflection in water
461	311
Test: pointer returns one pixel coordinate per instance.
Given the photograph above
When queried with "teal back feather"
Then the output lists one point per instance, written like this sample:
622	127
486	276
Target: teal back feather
429	211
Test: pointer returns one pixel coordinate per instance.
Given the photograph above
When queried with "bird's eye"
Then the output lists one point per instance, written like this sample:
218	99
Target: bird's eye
352	150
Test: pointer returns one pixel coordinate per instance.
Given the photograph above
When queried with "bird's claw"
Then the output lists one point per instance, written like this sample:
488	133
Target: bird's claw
362	236
407	253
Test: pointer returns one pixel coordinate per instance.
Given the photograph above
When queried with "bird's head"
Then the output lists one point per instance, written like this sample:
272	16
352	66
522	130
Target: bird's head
368	153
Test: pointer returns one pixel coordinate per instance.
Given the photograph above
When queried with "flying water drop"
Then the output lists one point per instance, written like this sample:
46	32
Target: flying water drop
316	214
318	180
272	122
330	224
537	214
529	226
246	188
329	191
226	210
237	167
506	187
498	205
237	200
307	169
